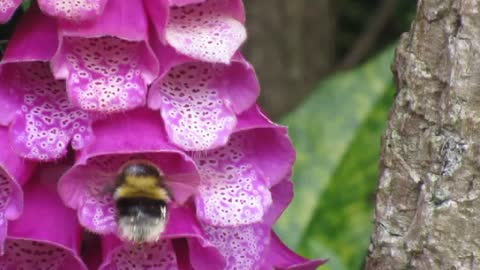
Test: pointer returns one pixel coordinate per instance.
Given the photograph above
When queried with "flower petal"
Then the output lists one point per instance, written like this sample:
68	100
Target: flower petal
14	171
199	101
243	247
208	31
51	243
180	3
274	152
107	64
235	179
255	246
34	39
75	10
201	253
47	122
119	138
282	258
7	8
36	106
182	228
157	256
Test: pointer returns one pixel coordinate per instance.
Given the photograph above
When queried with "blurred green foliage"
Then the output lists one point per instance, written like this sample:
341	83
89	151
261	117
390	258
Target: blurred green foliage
337	136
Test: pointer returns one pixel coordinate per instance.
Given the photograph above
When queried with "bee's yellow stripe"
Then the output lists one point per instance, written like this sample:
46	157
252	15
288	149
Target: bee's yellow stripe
144	186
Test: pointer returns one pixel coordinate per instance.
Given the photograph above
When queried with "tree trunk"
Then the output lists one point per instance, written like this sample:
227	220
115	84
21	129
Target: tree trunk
291	44
428	198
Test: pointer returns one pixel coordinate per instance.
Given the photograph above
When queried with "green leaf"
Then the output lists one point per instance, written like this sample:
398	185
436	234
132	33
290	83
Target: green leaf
26	4
342	220
337	137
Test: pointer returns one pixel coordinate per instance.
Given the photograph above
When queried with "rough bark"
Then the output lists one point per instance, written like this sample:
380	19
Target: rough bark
291	44
428	198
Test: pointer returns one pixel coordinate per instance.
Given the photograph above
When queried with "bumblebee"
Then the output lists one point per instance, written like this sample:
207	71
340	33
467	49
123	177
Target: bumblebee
141	199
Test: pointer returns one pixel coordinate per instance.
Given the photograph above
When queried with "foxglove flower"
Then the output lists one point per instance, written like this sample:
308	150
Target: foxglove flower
107	63
199	102
120	138
87	86
42	122
47	235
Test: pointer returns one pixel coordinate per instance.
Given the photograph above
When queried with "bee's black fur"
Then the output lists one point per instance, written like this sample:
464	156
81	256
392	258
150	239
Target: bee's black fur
130	207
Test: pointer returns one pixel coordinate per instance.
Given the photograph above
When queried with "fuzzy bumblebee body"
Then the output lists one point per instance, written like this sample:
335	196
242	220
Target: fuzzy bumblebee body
141	199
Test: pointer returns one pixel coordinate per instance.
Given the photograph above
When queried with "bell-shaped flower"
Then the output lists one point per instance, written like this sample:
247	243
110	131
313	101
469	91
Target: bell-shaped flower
47	235
199	101
236	179
107	63
256	246
137	135
42	122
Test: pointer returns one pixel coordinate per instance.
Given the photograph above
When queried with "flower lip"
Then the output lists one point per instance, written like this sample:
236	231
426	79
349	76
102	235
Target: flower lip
107	63
200	101
210	31
67	10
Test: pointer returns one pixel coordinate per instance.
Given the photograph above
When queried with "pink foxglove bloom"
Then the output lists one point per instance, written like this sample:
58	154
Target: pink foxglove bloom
47	235
42	122
120	138
87	86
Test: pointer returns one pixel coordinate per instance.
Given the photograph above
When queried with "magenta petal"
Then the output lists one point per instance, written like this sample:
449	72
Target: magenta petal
107	64
47	235
162	255
180	3
199	101
207	31
46	123
282	195
282	258
7	8
35	39
201	253
119	138
158	256
14	171
273	150
75	10
42	120
236	178
243	247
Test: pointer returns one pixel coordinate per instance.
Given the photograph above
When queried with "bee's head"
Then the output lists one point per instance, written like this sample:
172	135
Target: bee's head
141	179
